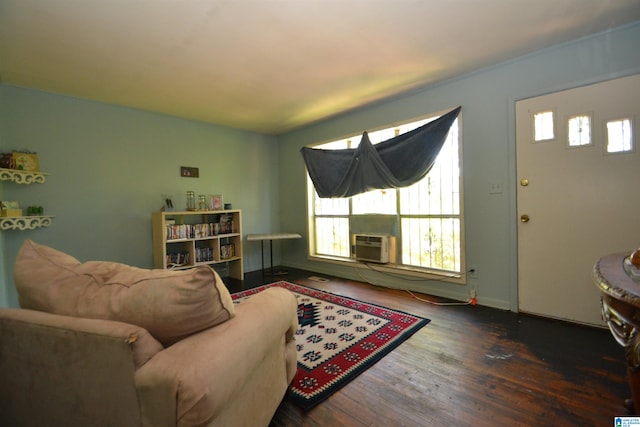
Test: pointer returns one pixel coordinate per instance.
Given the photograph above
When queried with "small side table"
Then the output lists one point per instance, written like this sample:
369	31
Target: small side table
621	310
271	237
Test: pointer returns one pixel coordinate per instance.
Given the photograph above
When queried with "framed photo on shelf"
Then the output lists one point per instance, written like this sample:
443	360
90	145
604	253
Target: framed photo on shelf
167	203
26	161
216	202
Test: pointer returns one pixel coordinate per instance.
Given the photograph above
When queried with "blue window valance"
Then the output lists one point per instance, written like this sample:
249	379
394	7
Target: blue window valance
395	163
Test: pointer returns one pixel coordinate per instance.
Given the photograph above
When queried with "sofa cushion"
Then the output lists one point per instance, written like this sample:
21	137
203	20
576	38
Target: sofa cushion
169	304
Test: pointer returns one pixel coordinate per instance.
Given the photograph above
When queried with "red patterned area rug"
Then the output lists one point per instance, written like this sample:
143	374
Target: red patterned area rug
338	338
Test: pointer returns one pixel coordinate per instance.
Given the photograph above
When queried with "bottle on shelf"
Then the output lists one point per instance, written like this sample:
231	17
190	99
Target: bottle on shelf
191	201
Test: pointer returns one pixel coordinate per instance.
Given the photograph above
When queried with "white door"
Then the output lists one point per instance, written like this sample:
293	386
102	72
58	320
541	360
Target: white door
576	202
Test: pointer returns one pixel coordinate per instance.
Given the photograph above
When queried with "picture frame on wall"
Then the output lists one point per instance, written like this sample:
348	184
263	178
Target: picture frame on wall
216	202
189	172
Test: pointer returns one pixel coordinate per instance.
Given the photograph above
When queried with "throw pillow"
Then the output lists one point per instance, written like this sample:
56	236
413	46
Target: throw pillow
169	304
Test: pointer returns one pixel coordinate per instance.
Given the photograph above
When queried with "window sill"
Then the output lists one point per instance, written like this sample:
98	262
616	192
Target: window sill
394	269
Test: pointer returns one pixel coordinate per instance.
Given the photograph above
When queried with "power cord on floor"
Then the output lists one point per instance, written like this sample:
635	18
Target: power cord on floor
471	301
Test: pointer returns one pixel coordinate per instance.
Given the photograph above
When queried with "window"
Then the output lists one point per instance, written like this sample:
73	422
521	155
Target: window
619	136
579	131
425	218
543	126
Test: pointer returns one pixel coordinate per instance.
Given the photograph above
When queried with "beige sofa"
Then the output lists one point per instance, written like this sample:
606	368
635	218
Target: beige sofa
104	344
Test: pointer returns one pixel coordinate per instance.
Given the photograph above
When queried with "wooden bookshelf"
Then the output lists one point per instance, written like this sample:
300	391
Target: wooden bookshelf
186	239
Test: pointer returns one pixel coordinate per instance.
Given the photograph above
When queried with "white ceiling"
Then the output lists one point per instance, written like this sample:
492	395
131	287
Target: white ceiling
275	65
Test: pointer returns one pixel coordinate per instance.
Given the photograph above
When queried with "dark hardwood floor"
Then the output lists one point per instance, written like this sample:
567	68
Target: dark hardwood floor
470	366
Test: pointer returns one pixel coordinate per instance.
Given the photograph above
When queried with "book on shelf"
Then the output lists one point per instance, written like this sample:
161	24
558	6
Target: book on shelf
177	259
179	231
227	250
198	231
204	254
226	224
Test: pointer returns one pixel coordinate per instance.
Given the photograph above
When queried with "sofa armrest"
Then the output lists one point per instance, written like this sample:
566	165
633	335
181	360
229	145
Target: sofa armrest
60	370
250	358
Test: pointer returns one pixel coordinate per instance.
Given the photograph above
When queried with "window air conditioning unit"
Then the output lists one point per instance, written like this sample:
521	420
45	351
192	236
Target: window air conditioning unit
372	248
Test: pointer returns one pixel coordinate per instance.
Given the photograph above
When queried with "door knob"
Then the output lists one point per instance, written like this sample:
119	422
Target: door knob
524	182
525	218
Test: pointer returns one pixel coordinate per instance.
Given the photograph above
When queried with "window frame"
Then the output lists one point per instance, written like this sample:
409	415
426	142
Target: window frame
607	135
568	119
554	126
426	273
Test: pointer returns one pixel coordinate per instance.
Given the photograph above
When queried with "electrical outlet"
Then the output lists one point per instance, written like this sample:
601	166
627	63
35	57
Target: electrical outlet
472	271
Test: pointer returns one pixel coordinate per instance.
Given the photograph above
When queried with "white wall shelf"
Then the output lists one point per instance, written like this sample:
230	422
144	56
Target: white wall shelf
25	222
22	177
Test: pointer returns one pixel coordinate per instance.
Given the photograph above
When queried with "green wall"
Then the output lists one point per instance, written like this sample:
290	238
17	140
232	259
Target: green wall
487	98
109	166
